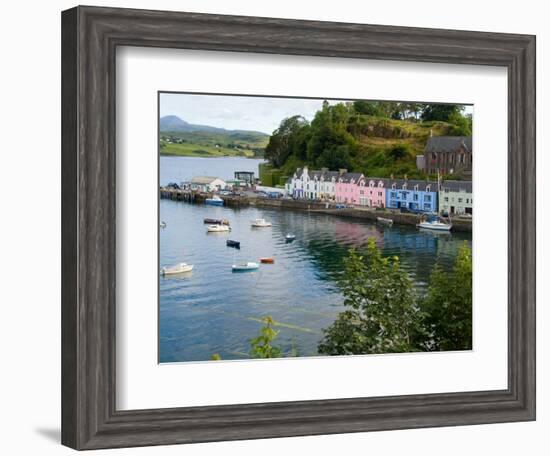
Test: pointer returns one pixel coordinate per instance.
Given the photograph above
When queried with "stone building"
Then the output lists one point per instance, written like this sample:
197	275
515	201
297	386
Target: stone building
448	155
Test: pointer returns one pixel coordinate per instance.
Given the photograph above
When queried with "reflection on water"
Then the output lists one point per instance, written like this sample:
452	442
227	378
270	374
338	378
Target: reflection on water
212	310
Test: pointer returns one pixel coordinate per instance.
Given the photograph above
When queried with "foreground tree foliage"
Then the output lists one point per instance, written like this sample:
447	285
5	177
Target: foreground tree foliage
384	315
261	346
448	305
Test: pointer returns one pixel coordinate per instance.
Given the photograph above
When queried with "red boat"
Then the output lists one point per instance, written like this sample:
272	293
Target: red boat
267	260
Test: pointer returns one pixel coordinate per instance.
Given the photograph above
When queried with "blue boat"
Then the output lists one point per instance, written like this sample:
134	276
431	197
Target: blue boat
231	243
214	201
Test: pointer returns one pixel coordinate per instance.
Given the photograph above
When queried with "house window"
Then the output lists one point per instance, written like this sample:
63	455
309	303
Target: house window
428	198
393	194
460	200
415	197
404	195
379	193
446	199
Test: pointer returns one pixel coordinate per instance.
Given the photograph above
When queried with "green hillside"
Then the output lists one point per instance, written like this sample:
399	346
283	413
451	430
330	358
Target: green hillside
213	144
375	138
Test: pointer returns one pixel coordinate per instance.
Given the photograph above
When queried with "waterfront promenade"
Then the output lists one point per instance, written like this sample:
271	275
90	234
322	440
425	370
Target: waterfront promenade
462	224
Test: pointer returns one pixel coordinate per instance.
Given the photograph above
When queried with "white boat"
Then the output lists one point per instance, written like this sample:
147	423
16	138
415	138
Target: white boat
218	229
289	237
243	267
435	225
384	221
179	268
163	224
260	223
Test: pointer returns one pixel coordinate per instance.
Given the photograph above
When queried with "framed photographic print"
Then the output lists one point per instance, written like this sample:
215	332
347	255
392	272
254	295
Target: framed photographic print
280	228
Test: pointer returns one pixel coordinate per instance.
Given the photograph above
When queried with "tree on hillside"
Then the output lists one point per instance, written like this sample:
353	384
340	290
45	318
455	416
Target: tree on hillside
462	125
330	143
369	108
381	315
398	152
448	305
441	112
280	142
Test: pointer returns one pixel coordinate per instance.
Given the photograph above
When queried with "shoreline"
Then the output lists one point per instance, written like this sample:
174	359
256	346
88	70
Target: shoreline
363	213
210	156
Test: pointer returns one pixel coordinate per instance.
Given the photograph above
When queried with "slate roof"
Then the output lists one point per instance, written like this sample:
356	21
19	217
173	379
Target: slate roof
457	186
347	177
422	184
444	144
312	173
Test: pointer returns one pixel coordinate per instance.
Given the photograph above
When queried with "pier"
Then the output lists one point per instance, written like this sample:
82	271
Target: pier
320	207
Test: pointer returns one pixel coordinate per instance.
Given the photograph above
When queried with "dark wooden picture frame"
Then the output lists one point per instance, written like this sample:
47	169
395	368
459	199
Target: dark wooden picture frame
90	37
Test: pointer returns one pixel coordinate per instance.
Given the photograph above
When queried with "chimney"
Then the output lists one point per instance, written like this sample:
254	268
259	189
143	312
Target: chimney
342	171
431	133
391	176
405	177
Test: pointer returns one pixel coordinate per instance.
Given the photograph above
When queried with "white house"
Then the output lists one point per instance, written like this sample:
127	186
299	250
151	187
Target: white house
207	184
312	184
455	197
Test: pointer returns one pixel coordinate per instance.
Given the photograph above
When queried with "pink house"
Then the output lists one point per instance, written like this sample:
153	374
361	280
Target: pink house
347	188
371	192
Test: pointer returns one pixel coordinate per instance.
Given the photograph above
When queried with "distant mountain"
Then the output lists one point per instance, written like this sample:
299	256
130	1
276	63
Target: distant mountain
175	124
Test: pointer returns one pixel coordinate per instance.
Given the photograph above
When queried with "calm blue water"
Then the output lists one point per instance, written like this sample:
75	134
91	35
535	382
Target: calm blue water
213	310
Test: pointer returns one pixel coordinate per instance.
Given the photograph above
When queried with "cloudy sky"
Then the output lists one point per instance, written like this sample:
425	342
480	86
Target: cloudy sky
237	112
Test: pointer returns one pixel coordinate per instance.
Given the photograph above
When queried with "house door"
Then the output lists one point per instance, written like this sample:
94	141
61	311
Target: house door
452	209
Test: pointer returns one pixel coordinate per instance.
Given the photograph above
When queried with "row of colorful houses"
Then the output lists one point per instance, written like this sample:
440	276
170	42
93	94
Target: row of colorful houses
454	197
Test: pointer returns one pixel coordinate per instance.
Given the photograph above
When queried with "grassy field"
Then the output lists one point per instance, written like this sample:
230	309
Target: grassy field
206	144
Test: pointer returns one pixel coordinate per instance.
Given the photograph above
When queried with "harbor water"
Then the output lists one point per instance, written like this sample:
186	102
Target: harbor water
213	310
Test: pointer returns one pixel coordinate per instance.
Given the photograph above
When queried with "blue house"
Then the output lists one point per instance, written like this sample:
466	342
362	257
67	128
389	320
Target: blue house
415	195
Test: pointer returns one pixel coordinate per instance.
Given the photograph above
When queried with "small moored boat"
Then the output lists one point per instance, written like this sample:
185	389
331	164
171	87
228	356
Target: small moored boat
235	244
435	225
211	221
244	267
214	201
218	229
179	268
163	224
267	260
384	221
260	223
289	237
